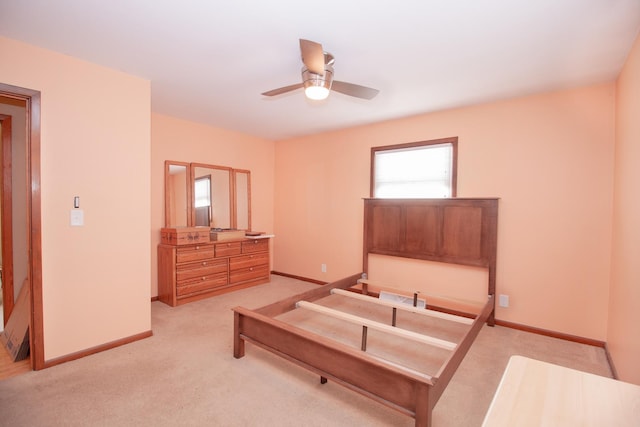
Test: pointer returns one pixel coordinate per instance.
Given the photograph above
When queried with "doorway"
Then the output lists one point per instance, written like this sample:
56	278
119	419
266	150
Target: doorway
14	253
6	205
29	213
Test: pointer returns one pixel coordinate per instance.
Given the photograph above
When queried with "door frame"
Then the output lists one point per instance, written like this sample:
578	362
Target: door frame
34	218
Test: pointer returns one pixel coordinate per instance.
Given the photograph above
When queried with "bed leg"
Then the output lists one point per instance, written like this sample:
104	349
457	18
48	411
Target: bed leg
491	320
423	407
238	343
323	380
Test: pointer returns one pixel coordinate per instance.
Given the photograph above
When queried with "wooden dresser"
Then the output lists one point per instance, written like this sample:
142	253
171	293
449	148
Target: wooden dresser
191	272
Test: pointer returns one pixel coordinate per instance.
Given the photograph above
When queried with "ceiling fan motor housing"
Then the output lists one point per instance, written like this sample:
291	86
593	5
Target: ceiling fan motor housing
312	79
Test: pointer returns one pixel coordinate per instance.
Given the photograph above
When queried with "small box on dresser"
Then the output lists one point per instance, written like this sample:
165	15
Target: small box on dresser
184	235
220	235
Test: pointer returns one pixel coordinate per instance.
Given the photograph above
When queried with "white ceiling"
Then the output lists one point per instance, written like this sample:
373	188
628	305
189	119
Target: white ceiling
208	61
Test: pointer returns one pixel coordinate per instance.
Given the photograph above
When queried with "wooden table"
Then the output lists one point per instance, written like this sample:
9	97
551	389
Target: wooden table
535	393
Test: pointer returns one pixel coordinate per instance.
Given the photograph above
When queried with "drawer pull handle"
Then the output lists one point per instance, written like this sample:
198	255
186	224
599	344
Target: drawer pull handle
204	278
204	262
197	247
251	269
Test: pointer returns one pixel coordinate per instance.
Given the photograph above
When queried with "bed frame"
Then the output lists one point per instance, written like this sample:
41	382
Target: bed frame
458	231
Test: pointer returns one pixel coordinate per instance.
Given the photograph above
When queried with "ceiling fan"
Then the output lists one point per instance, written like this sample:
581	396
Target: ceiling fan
317	76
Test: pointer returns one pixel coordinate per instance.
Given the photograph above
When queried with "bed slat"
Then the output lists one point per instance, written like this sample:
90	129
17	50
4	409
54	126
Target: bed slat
447	345
425	312
476	305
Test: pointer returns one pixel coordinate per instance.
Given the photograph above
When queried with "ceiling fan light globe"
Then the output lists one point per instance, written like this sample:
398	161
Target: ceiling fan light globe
317	93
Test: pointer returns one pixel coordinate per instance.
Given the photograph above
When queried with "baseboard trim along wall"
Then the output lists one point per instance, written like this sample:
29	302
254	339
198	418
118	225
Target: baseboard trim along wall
97	349
304	279
553	334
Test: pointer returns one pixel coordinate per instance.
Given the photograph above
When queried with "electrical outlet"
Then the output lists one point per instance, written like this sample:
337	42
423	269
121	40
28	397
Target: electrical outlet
504	300
323	268
76	217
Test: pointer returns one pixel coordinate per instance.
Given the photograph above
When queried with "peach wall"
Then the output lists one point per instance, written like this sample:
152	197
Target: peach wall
185	141
93	145
549	157
624	305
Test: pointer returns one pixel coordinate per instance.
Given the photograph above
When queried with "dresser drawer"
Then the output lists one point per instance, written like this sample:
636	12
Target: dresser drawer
255	245
202	269
246	261
228	249
194	253
250	273
198	286
195	271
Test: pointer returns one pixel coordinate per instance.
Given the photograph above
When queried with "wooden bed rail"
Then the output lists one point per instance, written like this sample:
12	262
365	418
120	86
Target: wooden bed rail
399	388
451	365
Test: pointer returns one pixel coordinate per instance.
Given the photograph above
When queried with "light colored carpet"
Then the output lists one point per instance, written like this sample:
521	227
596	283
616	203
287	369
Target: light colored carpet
185	374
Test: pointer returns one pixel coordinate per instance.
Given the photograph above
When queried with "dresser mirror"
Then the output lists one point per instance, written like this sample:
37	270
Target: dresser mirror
242	202
198	194
211	195
177	194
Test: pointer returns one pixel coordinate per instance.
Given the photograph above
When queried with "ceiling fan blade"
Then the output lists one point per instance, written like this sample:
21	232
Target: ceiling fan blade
312	56
283	89
354	90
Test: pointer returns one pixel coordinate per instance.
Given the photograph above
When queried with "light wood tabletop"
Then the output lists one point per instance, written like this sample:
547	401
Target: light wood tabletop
535	393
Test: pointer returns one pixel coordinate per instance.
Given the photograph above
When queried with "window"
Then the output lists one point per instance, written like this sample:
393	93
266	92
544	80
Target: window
202	208
202	190
424	169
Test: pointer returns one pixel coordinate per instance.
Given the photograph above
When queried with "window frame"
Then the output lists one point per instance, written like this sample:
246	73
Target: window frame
454	160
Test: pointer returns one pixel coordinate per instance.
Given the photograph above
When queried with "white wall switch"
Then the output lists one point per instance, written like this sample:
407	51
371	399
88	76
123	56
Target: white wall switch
77	217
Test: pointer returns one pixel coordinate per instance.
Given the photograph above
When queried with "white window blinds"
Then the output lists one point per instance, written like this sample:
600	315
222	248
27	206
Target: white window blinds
415	172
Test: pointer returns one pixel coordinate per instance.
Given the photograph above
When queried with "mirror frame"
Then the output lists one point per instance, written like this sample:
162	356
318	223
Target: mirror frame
233	192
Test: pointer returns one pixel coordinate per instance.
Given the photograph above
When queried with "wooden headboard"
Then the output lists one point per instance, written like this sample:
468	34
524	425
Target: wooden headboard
458	230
